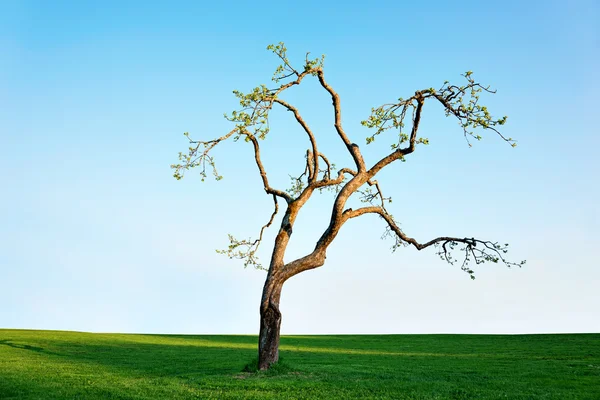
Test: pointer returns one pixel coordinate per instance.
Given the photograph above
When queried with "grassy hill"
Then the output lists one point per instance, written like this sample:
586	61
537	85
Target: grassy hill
67	365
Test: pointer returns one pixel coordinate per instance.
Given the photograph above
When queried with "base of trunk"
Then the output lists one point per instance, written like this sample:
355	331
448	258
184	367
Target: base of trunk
268	339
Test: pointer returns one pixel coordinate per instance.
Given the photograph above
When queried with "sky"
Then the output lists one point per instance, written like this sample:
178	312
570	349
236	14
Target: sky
96	235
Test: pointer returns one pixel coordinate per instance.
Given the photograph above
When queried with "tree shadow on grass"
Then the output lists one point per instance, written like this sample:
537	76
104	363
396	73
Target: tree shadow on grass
181	355
161	360
10	343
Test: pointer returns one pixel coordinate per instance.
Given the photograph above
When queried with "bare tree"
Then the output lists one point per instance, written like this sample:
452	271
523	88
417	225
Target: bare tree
252	124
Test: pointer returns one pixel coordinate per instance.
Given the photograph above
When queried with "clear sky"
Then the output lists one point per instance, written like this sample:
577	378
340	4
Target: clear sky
96	235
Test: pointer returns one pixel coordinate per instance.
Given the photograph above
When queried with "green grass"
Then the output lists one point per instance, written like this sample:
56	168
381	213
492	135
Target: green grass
70	365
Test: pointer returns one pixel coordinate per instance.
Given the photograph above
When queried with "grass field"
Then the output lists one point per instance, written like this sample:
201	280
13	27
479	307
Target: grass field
68	365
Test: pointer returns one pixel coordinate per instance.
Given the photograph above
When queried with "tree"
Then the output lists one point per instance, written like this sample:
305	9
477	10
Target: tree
252	124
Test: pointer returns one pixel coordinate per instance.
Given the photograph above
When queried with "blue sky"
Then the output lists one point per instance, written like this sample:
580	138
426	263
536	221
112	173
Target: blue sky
96	235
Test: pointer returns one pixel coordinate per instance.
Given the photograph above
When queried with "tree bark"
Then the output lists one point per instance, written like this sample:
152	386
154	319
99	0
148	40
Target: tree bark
270	324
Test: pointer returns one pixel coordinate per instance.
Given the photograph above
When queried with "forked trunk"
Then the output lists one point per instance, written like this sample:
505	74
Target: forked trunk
270	324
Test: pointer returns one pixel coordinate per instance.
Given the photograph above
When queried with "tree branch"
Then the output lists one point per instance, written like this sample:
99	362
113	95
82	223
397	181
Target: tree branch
459	101
470	115
310	165
332	182
399	153
311	136
263	173
487	251
368	196
337	109
327	172
249	247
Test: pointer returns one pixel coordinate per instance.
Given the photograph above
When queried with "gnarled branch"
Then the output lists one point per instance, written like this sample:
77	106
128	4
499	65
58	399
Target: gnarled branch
487	251
337	109
263	173
314	160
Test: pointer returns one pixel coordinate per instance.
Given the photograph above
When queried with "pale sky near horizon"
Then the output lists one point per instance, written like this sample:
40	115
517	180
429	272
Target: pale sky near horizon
96	235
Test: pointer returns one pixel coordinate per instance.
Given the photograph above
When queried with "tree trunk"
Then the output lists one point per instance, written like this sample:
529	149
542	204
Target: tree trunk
270	324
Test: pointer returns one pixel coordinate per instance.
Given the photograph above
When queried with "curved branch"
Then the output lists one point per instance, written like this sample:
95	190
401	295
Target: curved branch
327	172
249	248
461	102
400	153
487	251
311	136
270	220
396	229
337	108
470	114
199	156
263	173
